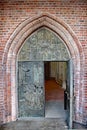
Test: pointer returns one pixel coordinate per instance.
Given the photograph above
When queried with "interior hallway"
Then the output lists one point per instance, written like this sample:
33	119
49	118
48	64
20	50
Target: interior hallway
54	95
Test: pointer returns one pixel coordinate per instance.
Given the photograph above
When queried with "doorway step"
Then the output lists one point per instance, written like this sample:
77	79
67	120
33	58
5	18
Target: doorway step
55	109
39	124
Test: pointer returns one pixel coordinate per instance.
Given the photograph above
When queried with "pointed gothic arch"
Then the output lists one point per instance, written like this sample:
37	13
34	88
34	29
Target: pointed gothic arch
18	37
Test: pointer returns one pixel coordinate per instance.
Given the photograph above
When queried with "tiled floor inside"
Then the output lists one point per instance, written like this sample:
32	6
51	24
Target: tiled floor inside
54	107
53	90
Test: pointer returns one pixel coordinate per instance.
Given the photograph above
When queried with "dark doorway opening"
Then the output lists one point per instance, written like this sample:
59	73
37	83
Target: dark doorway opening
55	85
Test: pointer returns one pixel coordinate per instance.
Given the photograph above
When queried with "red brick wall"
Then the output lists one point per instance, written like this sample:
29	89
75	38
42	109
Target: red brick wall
74	14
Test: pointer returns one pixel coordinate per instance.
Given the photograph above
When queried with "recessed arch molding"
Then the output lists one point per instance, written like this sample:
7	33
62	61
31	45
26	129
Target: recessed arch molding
16	40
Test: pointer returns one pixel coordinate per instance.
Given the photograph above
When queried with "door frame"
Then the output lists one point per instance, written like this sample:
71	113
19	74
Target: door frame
69	93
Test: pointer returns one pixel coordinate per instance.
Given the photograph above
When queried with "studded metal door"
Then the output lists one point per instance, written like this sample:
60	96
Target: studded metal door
30	89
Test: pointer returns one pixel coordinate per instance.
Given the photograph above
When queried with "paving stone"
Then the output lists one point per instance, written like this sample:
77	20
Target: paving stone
43	124
40	124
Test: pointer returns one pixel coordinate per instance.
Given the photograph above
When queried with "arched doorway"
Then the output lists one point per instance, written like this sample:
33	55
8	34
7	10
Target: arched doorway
41	47
15	42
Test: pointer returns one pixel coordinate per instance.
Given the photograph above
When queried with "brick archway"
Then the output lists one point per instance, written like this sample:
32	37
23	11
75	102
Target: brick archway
16	41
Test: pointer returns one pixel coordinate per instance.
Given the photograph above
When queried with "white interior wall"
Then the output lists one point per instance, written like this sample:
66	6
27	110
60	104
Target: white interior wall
58	70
